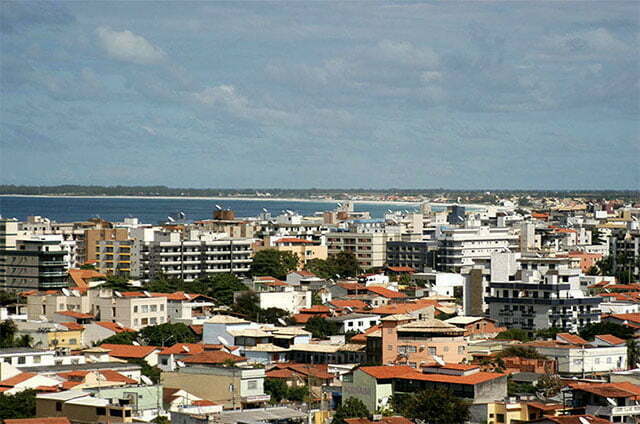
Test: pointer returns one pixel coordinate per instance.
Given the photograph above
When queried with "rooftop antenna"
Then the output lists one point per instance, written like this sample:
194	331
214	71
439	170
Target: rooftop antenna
146	293
135	343
182	215
264	210
186	348
180	364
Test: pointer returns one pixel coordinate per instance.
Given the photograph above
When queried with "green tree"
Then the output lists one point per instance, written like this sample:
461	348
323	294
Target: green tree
316	299
351	408
147	370
8	336
7	298
514	334
633	354
548	333
247	303
124	338
272	315
344	264
589	331
321	328
116	282
20	405
223	286
277	388
298	393
167	334
274	263
520	352
321	268
435	406
161	420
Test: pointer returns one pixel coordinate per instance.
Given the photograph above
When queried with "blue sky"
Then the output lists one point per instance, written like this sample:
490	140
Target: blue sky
321	94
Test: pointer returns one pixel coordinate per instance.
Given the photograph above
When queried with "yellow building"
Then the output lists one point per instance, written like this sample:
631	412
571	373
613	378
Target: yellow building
50	335
518	411
81	408
114	256
305	249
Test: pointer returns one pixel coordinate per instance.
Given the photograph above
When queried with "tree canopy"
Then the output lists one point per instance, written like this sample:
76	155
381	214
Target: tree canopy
321	328
343	264
218	286
274	263
167	334
514	334
20	405
434	406
589	331
8	336
351	408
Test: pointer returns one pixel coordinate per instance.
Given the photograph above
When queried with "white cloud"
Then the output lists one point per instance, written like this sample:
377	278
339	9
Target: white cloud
129	47
405	53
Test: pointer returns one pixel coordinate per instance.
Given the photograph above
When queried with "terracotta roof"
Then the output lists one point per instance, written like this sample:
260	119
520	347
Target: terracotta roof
403	308
128	351
635	318
169	394
73	325
303	273
112	375
314	370
546	406
280	373
383	372
114	327
191	348
76	315
383	420
362	337
575	419
196	328
611	339
294	240
384	292
477	378
571	338
17	379
352	303
70	384
612	390
47	389
81	277
212	357
315	309
48	420
401	269
180	295
266	278
203	402
304	318
352	286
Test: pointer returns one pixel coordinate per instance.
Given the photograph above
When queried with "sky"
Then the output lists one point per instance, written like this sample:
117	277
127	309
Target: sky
459	95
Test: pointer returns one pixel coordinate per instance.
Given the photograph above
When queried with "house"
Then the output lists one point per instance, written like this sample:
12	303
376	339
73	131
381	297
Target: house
628	320
286	298
79	406
25	381
232	386
355	322
169	356
147	353
476	327
80	379
571	419
328	353
26	357
350	305
615	402
100	330
375	385
52	335
315	376
419	309
213	358
608	340
414	342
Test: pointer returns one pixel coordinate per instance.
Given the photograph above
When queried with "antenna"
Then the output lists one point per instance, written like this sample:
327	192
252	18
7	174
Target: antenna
180	364
186	349
583	420
223	341
182	215
135	343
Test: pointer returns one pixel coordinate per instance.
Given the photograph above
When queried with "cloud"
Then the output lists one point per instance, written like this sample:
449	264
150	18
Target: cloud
405	53
129	47
20	15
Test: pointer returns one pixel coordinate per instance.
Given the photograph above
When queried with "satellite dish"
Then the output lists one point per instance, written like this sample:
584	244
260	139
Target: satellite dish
66	292
583	420
117	293
186	349
223	341
171	219
146	293
146	380
264	210
182	215
439	360
218	207
349	308
180	364
135	343
283	322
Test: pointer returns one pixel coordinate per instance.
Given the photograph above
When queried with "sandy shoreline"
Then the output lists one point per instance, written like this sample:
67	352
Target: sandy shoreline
266	199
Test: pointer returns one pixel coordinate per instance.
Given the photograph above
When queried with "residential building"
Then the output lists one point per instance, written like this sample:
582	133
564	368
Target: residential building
369	247
419	255
356	322
113	256
234	386
417	342
614	402
305	248
36	263
26	357
286	298
544	293
147	353
476	327
93	237
130	309
624	248
8	233
465	247
49	335
81	407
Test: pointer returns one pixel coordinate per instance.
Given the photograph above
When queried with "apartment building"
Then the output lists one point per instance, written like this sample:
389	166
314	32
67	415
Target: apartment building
81	407
305	249
113	256
545	292
368	246
132	310
416	342
36	263
93	236
624	248
614	402
465	247
8	233
419	255
167	253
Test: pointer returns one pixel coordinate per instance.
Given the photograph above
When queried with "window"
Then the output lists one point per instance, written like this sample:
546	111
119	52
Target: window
37	359
460	349
144	321
58	406
144	308
22	359
609	360
73	341
154	321
135	309
165	361
432	350
101	411
389	347
252	384
161	308
153	308
500	418
596	361
135	321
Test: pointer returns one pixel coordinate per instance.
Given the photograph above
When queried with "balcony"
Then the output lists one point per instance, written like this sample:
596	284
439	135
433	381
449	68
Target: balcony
626	411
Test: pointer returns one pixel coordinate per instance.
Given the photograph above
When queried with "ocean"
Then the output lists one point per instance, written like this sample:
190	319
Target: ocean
156	210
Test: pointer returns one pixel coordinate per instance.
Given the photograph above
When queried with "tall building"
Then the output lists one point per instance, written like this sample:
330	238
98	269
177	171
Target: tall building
369	247
545	292
8	233
93	237
465	247
419	255
37	263
624	248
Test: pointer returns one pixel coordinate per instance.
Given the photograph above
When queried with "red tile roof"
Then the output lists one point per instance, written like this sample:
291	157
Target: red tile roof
383	372
81	277
634	318
612	390
314	370
352	286
401	269
74	326
571	338
362	337
403	308
76	315
294	240
352	303
196	328
112	375
48	420
476	378
212	357
203	402
611	339
384	292
315	309
575	419
280	373
191	348
129	351
303	273
17	379
304	318
114	327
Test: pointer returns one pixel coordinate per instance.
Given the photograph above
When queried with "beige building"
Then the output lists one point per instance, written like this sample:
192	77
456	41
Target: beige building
233	386
133	310
113	256
93	236
305	249
369	247
81	408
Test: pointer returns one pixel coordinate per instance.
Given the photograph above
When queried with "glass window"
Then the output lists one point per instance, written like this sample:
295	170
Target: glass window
252	384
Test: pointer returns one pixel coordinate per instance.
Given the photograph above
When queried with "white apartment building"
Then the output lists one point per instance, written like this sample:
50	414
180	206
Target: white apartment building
545	292
132	311
369	245
465	247
583	359
356	322
289	299
158	252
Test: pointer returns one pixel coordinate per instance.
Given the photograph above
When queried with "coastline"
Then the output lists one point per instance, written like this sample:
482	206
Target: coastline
222	198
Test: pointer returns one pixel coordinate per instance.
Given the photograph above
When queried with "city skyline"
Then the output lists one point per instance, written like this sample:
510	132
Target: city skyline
256	94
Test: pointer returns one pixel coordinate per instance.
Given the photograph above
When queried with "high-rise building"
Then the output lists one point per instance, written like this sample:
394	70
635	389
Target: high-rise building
37	263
